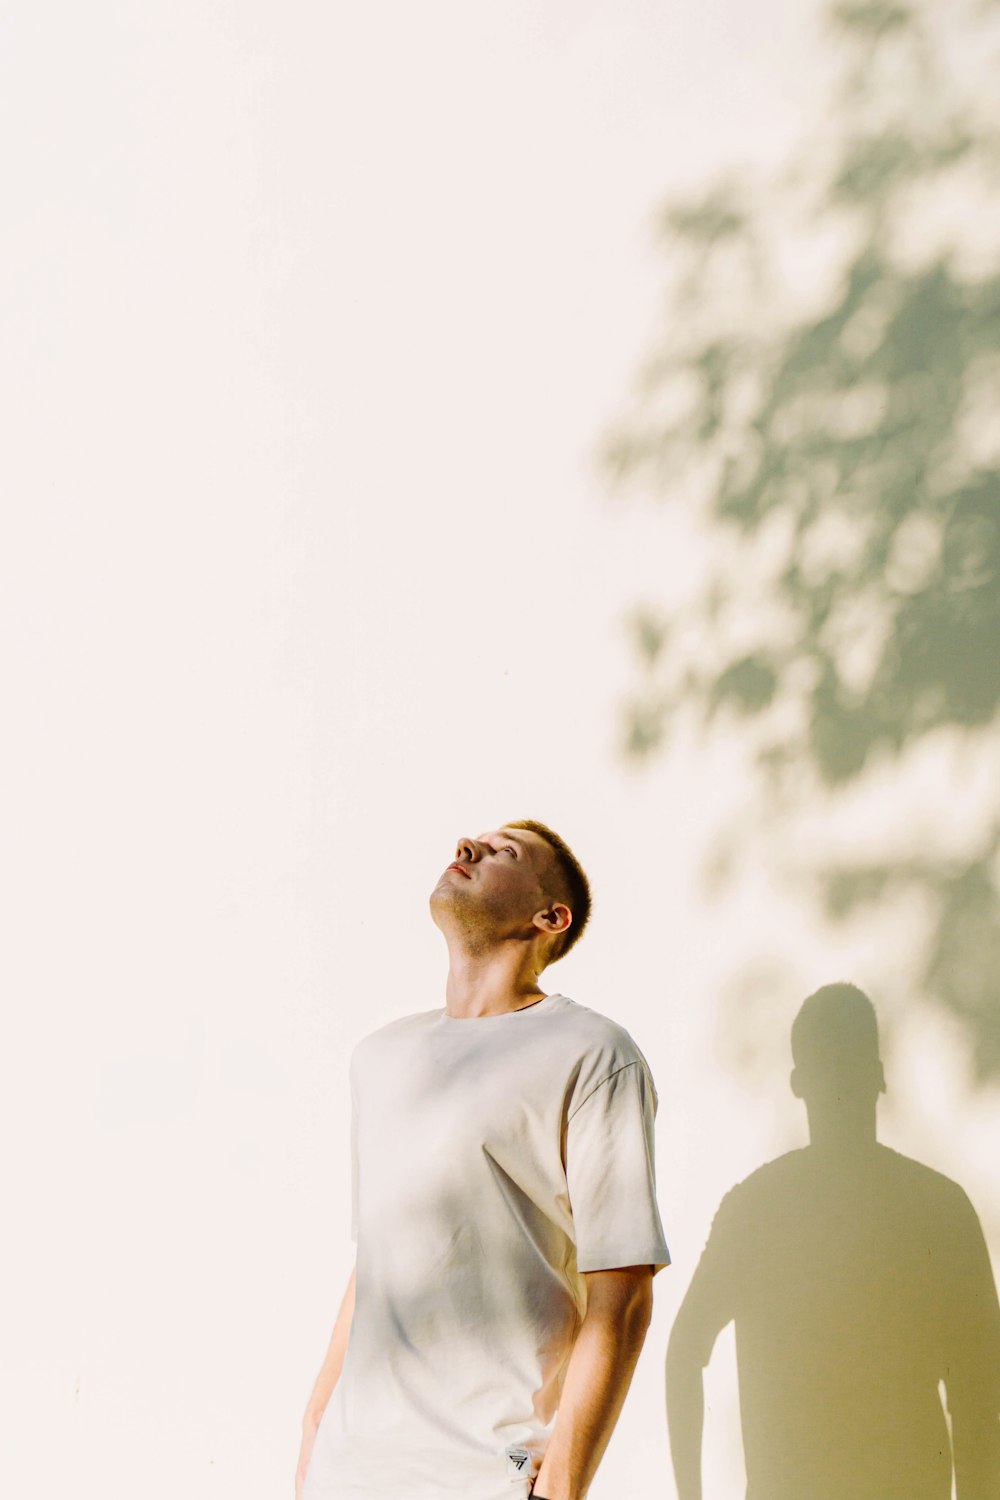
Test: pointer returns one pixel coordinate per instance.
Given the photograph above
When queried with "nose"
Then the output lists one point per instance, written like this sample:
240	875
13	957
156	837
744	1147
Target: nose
467	850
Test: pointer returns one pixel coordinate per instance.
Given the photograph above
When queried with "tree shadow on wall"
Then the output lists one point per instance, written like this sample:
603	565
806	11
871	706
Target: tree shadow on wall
838	434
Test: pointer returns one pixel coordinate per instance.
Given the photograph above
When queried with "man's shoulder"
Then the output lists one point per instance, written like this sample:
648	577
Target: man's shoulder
600	1045
597	1030
590	1045
400	1028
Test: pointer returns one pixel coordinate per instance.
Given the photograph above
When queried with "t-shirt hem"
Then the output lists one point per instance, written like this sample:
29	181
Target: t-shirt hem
658	1258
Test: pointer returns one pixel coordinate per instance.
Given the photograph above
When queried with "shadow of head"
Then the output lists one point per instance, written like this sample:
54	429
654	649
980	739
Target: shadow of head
835	1050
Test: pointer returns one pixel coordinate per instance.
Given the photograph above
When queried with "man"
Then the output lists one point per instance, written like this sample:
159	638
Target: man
504	1211
857	1281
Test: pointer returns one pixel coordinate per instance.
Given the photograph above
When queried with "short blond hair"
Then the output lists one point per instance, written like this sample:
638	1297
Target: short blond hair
575	882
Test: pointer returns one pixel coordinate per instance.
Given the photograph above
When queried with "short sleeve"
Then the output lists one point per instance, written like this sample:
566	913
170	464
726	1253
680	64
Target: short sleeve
610	1174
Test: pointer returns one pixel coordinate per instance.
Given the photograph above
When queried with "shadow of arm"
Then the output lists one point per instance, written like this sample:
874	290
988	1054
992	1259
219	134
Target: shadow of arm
702	1316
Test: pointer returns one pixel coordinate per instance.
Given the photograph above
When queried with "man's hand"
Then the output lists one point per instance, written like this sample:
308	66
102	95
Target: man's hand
619	1305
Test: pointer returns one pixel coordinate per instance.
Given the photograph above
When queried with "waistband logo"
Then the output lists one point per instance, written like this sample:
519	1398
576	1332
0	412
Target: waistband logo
518	1463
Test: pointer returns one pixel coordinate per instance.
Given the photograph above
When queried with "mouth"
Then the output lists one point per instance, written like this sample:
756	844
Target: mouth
460	870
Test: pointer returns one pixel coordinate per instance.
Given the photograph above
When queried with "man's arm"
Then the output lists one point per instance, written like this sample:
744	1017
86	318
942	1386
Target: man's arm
325	1381
619	1304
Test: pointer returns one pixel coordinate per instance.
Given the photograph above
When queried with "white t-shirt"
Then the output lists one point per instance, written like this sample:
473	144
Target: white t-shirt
494	1159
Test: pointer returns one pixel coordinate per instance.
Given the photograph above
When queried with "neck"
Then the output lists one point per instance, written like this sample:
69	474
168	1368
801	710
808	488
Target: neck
491	981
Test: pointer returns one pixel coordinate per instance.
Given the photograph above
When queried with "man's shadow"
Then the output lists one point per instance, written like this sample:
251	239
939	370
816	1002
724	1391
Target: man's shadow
858	1281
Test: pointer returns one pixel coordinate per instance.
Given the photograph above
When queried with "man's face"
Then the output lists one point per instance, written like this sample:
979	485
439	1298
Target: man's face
496	884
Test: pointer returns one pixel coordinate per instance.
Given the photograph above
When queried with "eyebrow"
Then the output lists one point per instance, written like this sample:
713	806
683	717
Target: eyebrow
507	837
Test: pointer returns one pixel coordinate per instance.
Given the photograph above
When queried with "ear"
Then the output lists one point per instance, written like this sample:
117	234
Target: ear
880	1075
795	1083
555	919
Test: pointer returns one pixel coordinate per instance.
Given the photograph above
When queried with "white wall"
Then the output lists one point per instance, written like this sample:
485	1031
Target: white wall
313	318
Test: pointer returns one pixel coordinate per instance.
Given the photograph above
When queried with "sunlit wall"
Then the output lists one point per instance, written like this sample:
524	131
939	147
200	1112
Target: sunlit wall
315	321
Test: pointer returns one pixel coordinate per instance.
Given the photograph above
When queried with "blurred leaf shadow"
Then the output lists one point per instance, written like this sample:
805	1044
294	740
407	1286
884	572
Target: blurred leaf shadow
825	395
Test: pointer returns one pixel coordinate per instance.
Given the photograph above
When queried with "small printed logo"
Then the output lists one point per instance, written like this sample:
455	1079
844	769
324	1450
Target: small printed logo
518	1463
